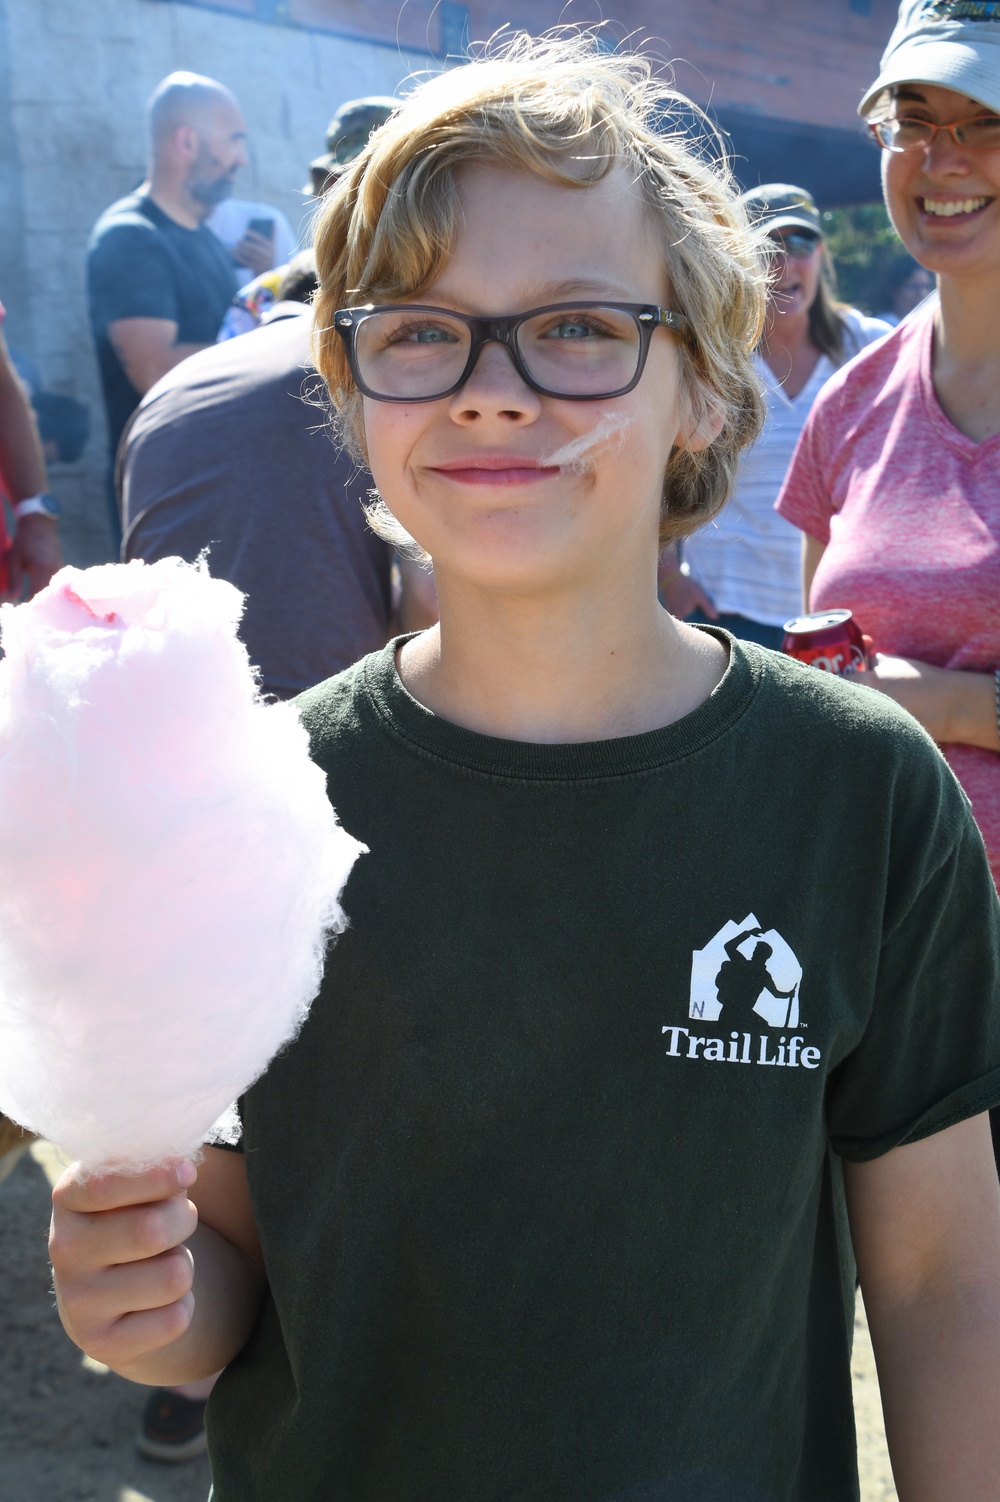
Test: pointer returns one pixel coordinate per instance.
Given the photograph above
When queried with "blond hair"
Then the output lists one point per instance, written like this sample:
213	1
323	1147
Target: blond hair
563	108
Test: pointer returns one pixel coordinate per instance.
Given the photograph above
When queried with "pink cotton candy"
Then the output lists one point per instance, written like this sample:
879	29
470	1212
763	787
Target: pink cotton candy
170	864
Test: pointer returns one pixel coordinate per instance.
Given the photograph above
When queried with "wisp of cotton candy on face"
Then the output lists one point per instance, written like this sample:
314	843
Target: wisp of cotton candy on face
170	864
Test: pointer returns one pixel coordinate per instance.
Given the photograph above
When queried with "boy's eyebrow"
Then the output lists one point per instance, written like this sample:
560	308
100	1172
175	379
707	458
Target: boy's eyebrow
540	295
558	291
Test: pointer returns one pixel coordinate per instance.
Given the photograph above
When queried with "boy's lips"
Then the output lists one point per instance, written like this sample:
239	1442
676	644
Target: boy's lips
496	469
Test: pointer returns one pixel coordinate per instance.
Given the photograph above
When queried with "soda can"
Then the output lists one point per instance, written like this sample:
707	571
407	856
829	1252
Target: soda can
829	639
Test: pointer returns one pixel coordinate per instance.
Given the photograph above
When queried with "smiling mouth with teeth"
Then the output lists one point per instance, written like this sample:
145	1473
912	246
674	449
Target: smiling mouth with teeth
947	208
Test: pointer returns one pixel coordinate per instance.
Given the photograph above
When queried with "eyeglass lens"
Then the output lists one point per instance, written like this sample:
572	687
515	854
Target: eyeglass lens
980	133
798	244
416	354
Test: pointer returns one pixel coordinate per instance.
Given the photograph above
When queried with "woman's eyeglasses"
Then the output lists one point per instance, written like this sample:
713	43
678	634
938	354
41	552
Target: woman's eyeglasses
798	244
977	133
581	351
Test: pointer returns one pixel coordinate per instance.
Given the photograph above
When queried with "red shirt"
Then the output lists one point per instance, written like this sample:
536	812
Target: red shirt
909	508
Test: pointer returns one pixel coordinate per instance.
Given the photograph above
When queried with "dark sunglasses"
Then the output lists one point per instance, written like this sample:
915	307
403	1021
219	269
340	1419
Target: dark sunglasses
799	244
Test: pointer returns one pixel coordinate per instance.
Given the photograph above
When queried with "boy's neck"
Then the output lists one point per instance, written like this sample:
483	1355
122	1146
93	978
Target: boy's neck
562	670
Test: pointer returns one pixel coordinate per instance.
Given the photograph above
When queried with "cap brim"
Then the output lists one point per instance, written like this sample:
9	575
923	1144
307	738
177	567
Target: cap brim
790	221
950	65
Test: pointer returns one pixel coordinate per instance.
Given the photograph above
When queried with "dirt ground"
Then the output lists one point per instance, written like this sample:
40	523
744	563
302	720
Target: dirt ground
67	1425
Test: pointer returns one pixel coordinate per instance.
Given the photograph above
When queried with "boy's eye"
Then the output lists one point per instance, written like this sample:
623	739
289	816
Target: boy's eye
576	328
421	333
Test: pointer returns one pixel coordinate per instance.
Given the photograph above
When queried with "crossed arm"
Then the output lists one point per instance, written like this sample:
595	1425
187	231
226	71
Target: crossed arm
952	706
148	348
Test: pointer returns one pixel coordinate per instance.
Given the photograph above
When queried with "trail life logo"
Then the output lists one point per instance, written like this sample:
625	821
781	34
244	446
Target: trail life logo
745	976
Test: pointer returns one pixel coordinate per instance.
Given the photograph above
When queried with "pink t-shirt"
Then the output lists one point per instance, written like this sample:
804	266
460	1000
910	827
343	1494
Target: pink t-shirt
910	510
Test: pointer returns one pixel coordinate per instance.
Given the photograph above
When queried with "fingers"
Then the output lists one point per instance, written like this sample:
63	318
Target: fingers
121	1272
84	1241
137	1335
89	1194
120	1339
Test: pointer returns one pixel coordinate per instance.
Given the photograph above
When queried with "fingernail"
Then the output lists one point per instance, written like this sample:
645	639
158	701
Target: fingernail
186	1173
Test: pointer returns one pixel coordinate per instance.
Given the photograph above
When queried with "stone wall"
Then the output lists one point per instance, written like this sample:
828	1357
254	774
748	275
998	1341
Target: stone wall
74	78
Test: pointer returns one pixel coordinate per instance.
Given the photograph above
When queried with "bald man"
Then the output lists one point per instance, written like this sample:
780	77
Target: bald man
159	282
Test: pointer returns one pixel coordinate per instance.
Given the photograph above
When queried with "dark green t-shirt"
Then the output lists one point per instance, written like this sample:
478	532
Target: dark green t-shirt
549	1188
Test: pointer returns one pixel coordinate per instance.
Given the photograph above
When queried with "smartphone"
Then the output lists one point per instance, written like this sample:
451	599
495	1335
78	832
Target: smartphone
263	227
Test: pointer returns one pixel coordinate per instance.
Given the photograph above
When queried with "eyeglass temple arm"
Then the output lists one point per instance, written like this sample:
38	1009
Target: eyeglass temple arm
676	322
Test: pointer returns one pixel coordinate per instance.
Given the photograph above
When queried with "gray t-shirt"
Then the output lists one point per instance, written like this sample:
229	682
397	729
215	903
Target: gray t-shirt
226	452
142	264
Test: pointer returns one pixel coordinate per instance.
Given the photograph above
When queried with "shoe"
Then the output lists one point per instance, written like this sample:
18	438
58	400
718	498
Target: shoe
173	1427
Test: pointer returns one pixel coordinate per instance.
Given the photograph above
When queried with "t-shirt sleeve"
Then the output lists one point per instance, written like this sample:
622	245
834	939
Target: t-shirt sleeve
930	1055
805	496
130	276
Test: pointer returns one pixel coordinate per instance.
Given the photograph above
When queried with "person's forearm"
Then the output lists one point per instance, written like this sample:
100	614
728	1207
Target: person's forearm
953	707
227	1294
937	1365
812	553
22	465
971	709
145	373
147	348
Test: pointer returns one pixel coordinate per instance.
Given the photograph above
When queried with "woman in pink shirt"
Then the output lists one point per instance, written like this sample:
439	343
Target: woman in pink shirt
896	479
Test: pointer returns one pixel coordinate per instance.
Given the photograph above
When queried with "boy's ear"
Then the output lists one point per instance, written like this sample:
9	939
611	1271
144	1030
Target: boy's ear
697	432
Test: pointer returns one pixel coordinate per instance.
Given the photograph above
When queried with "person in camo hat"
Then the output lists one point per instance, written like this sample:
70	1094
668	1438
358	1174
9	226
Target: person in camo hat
346	135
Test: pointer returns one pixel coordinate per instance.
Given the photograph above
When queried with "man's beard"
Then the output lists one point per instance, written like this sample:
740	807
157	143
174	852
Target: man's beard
206	184
210	191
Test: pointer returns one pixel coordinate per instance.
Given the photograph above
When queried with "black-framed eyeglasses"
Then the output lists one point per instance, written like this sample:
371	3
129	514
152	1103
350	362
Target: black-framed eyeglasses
797	243
977	133
580	351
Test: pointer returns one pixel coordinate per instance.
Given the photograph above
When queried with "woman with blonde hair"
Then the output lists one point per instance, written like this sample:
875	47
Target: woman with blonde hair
550	1198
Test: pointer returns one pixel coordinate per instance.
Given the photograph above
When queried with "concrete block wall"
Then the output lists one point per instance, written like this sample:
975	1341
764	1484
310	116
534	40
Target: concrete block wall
75	75
74	79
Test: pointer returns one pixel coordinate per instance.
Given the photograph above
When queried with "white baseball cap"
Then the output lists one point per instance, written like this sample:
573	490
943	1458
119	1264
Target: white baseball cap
953	43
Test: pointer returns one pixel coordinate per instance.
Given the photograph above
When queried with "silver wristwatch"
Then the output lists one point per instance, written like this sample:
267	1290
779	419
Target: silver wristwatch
42	504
